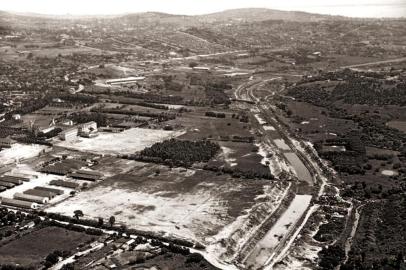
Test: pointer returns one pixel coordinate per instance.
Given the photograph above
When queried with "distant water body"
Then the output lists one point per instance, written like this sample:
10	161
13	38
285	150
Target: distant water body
368	11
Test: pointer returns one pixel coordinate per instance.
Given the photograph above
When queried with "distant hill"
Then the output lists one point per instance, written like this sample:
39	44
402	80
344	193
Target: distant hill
246	14
263	14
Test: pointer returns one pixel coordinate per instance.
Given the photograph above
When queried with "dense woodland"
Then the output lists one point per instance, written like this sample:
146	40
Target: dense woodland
181	153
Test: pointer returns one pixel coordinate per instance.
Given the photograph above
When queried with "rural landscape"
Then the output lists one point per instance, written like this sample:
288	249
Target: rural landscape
245	139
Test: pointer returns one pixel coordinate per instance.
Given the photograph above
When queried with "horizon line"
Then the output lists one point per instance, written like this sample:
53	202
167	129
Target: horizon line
26	13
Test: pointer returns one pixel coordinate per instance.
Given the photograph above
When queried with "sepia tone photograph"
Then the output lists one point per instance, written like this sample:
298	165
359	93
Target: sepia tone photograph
203	135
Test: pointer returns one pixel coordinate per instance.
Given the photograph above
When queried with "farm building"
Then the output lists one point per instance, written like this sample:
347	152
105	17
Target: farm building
53	190
7	184
25	176
13	180
69	134
64	167
67	184
125	80
40	193
6	142
31	198
18	203
86	175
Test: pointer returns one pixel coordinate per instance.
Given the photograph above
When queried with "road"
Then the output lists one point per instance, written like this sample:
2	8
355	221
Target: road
401	59
273	252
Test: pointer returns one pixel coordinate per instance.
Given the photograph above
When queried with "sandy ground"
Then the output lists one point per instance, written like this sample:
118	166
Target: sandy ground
259	119
281	144
126	142
19	152
200	215
277	165
269	128
226	153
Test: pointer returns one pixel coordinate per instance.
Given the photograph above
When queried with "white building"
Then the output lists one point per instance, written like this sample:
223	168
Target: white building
69	134
88	127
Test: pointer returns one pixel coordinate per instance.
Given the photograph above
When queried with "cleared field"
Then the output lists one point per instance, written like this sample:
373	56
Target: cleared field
32	248
400	125
239	156
200	126
126	142
191	204
20	151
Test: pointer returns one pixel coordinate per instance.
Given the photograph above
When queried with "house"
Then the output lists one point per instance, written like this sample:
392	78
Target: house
18	203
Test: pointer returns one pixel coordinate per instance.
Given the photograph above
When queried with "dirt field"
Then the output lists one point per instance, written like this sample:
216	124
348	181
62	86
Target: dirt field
19	152
31	249
191	204
126	142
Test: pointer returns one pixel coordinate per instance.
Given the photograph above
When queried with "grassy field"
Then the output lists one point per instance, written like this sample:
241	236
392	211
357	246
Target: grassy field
31	249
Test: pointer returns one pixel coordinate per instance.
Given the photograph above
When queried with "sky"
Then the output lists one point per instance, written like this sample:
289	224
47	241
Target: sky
353	8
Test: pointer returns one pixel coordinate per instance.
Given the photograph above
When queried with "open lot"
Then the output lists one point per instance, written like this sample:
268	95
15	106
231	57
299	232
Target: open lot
193	204
126	142
32	248
19	152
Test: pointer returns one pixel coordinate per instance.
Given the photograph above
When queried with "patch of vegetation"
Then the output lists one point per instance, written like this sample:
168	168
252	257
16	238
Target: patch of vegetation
180	153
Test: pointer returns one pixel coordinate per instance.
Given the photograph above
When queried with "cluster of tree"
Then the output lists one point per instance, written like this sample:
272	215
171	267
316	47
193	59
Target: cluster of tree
216	114
236	138
49	134
180	152
244	118
28	106
16	267
215	93
145	104
331	257
153	98
380	239
238	173
11	218
84	117
163	116
6	131
73	227
110	225
353	88
76	99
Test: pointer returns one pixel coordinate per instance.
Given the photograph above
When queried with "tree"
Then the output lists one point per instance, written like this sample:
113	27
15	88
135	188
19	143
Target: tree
112	220
192	64
100	222
78	214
